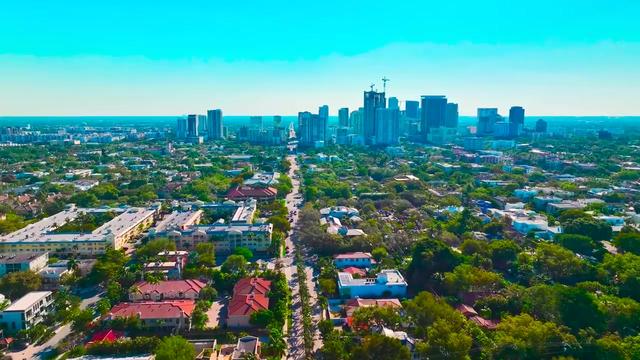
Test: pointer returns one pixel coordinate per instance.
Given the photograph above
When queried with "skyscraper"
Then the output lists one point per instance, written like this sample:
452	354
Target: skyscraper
387	126
343	117
516	115
312	128
372	100
214	124
181	128
356	122
487	117
451	120
323	112
202	124
393	103
434	113
411	108
192	126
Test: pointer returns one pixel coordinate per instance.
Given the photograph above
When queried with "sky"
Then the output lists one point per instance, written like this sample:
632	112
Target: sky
72	57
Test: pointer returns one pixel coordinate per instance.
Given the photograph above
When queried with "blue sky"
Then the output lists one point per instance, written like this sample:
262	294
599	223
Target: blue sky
279	57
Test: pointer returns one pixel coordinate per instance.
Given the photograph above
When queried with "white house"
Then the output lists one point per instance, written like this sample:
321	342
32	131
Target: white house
361	260
388	283
27	311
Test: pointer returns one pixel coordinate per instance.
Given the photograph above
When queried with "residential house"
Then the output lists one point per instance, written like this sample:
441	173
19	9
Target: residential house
166	290
27	311
171	315
386	283
362	260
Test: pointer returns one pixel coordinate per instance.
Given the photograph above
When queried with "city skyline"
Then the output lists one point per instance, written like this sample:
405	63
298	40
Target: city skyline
577	59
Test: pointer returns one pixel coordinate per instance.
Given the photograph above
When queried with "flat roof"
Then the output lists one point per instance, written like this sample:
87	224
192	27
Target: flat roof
42	231
27	301
20	258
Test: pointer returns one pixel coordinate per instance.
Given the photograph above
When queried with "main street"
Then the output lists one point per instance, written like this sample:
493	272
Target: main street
295	336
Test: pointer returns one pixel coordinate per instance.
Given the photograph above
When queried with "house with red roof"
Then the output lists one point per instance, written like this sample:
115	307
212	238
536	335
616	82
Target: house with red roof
166	290
171	315
107	335
251	192
470	313
356	272
249	296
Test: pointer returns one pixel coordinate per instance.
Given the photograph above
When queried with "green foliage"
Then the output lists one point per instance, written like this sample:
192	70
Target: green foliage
155	246
466	278
17	284
380	347
598	230
523	337
577	243
175	348
245	252
429	257
628	242
124	347
235	265
262	318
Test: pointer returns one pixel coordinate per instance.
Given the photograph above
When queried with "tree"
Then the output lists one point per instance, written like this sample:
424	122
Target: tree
206	254
155	246
328	286
262	318
444	341
628	242
578	309
82	320
625	270
466	278
503	253
103	306
208	293
380	347
577	243
430	256
276	346
199	316
379	253
523	337
244	252
17	284
560	264
596	229
387	316
235	264
175	348
425	309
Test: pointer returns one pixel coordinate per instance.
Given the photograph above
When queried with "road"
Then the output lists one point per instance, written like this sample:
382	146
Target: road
295	338
37	351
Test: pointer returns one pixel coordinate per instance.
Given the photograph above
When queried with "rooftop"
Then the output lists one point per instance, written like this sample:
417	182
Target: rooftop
28	300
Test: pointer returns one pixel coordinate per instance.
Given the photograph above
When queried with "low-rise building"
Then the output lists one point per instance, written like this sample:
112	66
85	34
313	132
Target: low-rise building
166	290
249	296
252	192
387	283
356	259
27	311
22	262
225	237
170	315
246	345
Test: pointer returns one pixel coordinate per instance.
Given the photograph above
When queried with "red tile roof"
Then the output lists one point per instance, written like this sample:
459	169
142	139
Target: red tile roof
354	270
487	324
353	304
247	286
170	288
467	310
245	192
154	310
241	305
108	335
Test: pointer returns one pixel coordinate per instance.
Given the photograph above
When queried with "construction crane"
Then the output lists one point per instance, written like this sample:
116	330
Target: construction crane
371	86
384	83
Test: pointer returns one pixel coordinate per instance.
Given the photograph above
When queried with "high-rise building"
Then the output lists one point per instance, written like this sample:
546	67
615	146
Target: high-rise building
181	128
434	113
372	101
343	117
312	128
256	122
393	103
387	126
516	115
487	118
451	120
323	112
214	124
356	122
202	124
192	126
411	108
541	126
